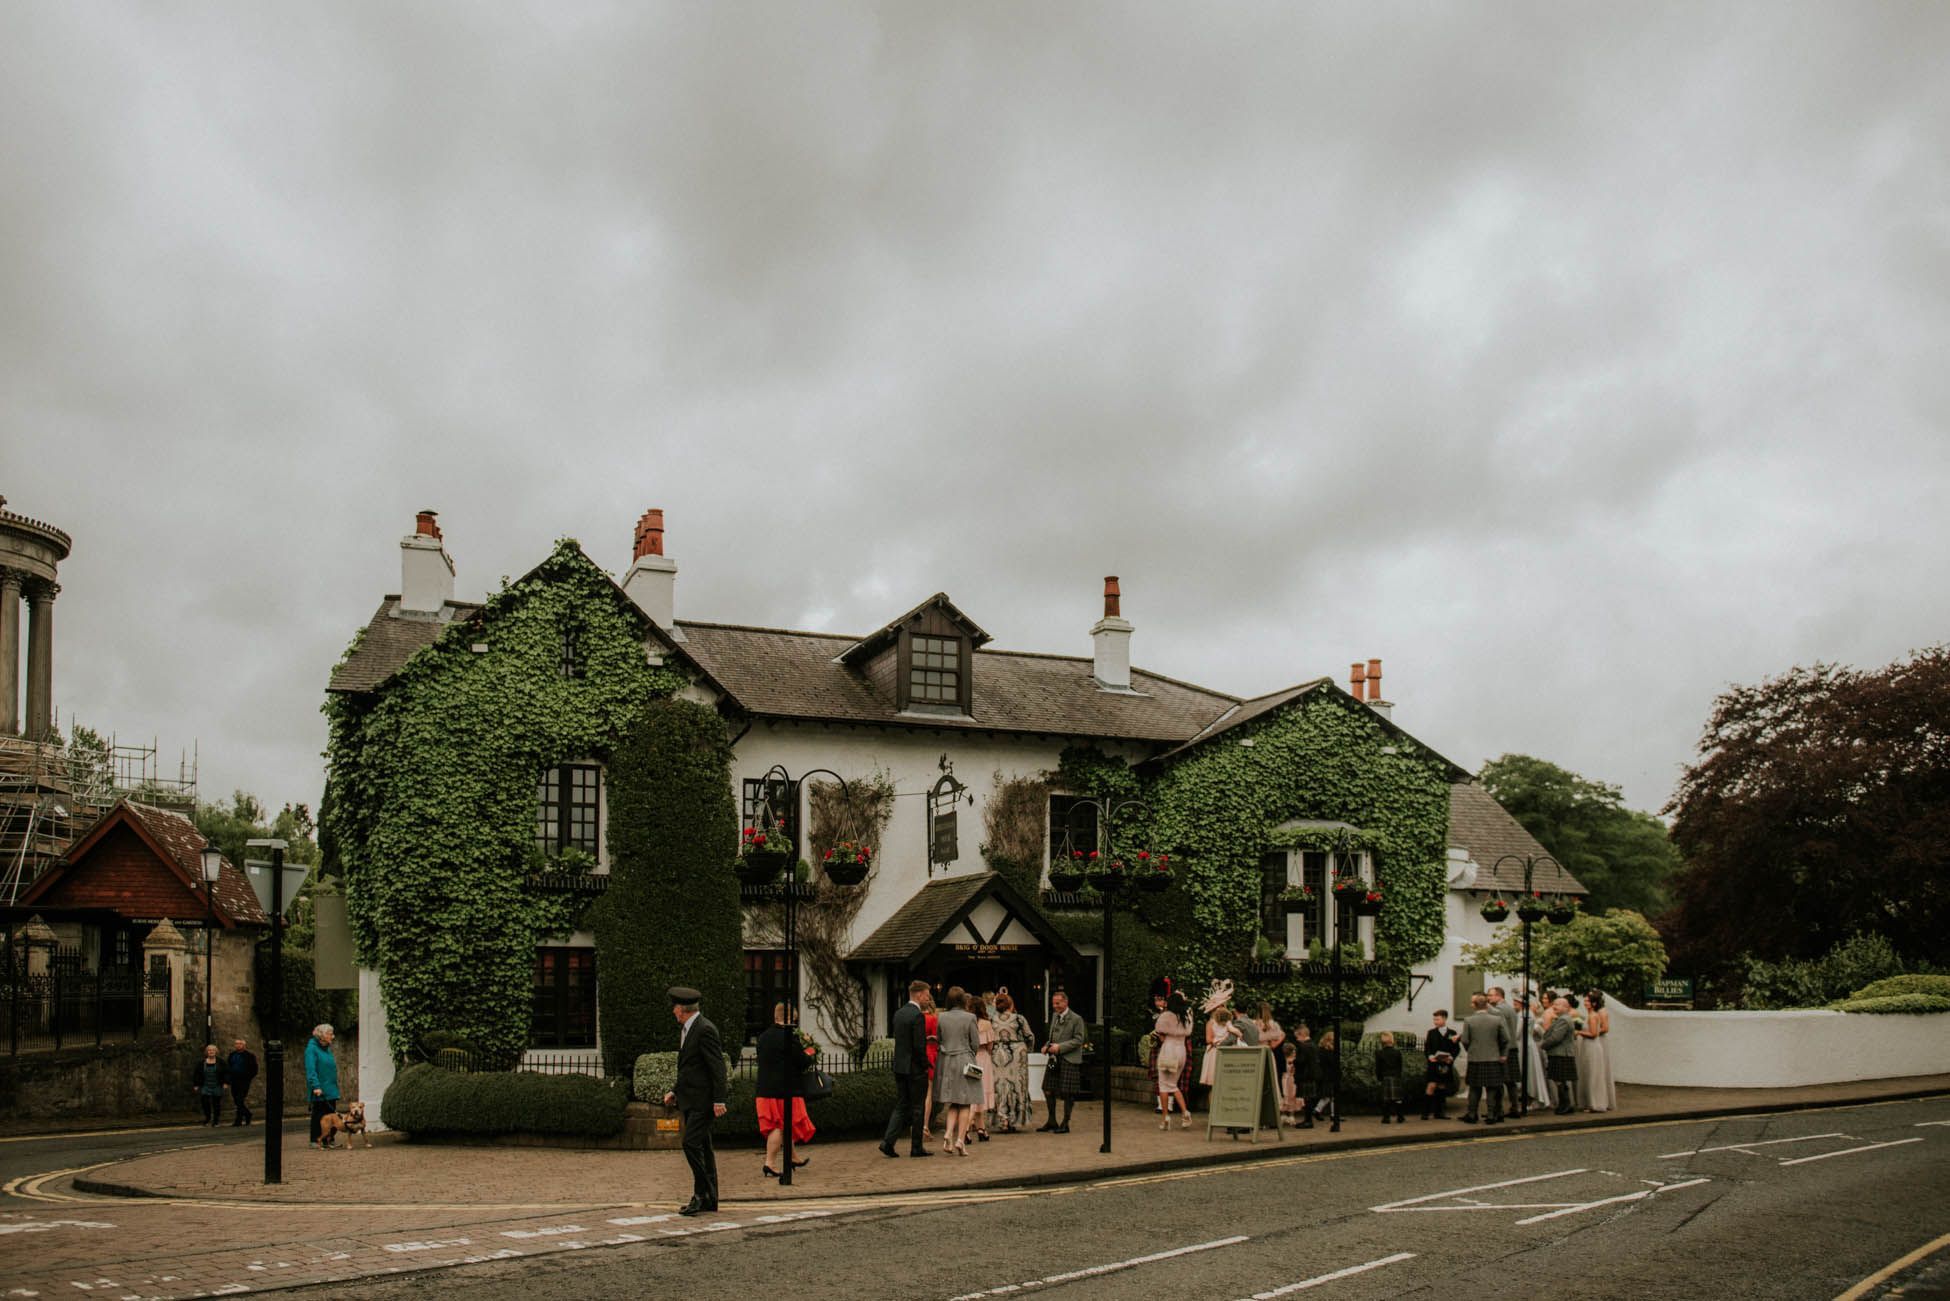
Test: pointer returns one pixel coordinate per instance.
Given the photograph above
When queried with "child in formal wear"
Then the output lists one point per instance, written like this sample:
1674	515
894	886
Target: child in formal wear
1388	1075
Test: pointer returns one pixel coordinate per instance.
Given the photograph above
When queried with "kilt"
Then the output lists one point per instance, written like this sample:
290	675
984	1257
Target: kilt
1063	1077
1561	1070
1486	1074
1391	1088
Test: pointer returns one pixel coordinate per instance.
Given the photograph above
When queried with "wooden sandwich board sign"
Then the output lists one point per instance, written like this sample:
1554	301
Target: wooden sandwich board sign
1245	1092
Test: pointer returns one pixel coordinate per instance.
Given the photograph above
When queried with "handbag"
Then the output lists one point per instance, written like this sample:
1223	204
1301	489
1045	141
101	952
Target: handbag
815	1085
972	1071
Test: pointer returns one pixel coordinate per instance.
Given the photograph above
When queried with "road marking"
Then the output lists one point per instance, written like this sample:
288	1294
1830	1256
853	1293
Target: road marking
1889	1271
1851	1151
1474	1188
1742	1147
1349	1272
1919	1124
48	1226
1097	1271
1640	1195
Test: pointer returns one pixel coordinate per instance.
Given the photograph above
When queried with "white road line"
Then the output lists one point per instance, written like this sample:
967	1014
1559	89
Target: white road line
1640	1195
1851	1151
1476	1188
1349	1272
1919	1124
1096	1271
1742	1147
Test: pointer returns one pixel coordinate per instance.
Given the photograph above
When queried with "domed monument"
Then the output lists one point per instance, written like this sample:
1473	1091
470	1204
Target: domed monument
30	552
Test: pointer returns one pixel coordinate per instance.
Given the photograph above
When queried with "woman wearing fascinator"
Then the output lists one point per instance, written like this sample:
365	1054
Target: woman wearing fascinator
1217	1031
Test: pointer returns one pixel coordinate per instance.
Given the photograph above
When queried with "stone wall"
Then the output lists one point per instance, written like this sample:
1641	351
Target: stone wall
149	1077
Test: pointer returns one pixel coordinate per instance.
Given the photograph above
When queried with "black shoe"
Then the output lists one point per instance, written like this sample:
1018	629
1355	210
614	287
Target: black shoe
696	1207
921	1151
1048	1127
1061	1129
886	1149
1469	1120
770	1173
797	1165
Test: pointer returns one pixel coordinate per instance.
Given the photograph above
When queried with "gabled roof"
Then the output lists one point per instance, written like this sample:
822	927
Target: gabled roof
870	645
176	843
1259	706
776	673
1478	824
937	908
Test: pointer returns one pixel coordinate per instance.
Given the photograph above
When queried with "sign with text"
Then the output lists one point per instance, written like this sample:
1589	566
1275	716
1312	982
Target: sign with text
1245	1092
1672	989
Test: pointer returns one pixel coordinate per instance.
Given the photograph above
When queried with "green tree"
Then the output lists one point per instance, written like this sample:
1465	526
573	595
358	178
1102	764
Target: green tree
1819	808
1620	952
231	826
671	914
1624	857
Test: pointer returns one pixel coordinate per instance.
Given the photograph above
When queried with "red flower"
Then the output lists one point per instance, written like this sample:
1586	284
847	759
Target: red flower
1093	855
1143	854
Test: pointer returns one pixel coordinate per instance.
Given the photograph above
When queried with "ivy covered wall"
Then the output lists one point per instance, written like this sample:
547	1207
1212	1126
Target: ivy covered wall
431	796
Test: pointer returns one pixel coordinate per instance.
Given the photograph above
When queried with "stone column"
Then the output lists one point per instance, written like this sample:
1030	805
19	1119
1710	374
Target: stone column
10	651
40	659
165	939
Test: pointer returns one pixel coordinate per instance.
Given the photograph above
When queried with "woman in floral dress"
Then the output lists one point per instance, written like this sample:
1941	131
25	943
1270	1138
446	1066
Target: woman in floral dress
1009	1062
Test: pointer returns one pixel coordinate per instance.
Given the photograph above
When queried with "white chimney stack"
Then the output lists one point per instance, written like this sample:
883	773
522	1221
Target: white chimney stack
652	580
1112	641
426	571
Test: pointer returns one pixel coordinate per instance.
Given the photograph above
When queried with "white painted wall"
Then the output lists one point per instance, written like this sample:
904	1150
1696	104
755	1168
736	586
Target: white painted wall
1462	924
375	1055
1766	1050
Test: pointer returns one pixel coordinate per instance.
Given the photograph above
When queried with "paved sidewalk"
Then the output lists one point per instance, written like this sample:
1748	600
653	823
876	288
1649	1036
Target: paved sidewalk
397	1173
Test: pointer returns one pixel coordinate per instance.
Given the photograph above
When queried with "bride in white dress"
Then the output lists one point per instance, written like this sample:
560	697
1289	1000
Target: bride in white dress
1596	1091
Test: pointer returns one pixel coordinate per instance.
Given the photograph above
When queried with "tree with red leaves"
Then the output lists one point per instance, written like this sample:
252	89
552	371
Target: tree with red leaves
1819	808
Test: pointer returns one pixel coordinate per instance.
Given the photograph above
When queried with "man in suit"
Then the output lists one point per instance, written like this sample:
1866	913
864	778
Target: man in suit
1561	1057
1306	1071
699	1096
1063	1068
1507	1013
1486	1042
910	1072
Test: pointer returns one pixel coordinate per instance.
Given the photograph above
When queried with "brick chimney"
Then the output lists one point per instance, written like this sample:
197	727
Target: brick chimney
1375	702
1111	638
652	579
1357	677
426	571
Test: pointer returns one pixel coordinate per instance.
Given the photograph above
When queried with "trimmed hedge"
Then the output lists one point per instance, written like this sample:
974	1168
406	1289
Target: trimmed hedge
305	1005
654	1076
1890	986
427	1100
1906	1003
861	1103
1358	1083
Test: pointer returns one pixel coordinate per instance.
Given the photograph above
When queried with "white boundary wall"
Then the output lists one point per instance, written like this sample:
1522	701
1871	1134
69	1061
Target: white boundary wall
1749	1050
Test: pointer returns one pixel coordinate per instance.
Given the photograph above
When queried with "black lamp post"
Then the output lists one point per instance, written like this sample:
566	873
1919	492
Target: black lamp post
267	881
1366	903
212	869
1108	885
790	892
1528	913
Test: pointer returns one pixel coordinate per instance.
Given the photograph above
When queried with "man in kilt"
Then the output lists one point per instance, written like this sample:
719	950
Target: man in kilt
1512	1063
1561	1057
1306	1073
1439	1048
1063	1067
1486	1040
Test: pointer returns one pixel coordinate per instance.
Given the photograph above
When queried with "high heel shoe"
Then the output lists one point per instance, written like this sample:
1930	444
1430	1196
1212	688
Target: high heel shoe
770	1173
981	1136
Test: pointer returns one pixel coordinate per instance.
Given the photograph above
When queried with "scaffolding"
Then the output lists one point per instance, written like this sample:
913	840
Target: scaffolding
52	791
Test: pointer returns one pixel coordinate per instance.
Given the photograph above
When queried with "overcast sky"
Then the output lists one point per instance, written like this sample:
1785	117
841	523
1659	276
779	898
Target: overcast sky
1576	360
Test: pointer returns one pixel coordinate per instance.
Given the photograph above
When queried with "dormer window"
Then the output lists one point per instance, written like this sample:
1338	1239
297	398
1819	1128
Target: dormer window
934	671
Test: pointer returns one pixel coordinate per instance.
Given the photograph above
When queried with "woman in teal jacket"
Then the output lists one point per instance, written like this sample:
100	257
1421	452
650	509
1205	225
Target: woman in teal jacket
321	1076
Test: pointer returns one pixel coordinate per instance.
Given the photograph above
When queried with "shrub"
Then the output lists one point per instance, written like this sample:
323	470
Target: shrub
861	1103
1851	964
427	1100
305	1005
1915	983
655	1075
1358	1083
1903	1003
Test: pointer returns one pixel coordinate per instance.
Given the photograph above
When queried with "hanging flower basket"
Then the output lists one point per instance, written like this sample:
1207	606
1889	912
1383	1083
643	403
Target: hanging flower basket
847	863
1496	910
763	854
1530	908
1065	880
1298	899
1562	912
1368	903
1110	877
1153	875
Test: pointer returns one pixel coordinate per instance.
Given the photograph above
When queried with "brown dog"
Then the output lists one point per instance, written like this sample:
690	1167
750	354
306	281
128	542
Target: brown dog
351	1124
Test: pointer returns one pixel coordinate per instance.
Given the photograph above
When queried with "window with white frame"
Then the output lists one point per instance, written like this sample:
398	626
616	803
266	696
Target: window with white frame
1325	919
568	808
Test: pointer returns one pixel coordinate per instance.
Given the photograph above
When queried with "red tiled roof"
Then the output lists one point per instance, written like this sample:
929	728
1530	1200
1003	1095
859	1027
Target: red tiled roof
158	835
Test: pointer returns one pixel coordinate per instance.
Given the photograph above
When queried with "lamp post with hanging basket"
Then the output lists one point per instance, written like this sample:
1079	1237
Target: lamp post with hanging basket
1532	908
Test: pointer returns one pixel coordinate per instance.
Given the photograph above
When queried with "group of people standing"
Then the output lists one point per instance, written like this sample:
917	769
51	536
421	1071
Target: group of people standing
1568	1067
1308	1072
969	1055
211	1077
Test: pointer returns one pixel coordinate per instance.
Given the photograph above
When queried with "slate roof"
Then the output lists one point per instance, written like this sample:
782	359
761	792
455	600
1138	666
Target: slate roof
920	923
871	644
1245	712
1486	829
783	674
390	641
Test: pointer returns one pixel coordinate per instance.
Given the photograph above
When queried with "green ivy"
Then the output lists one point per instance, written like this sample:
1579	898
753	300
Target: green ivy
431	796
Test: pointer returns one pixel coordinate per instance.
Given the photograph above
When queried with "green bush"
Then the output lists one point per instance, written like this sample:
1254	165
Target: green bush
426	1100
861	1103
1358	1083
305	1005
1915	983
1853	963
655	1075
1907	1003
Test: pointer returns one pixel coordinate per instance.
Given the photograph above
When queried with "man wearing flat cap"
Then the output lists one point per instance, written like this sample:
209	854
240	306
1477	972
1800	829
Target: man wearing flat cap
699	1096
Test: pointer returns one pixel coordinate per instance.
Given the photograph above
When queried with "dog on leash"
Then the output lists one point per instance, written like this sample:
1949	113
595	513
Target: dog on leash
351	1124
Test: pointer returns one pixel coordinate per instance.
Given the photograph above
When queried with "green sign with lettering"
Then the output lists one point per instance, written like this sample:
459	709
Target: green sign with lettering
1673	989
1245	1092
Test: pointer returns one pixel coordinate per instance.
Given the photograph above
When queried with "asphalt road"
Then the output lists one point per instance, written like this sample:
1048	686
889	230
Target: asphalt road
1798	1205
33	1154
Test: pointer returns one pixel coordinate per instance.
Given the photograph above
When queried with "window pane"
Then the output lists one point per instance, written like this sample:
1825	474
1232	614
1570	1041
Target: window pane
1313	872
1272	880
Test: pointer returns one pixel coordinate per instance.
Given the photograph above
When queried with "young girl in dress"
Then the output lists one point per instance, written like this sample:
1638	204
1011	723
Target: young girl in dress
1289	1086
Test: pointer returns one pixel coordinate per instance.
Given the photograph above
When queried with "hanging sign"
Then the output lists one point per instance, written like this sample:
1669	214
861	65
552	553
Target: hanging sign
1245	1092
944	831
331	944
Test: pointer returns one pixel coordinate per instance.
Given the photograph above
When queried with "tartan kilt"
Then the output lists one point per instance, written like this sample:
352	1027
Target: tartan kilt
1064	1077
1486	1075
1561	1070
1391	1088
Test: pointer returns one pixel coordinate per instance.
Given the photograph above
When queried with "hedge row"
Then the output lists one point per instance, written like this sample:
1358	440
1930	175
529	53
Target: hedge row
1890	986
1891	1003
425	1099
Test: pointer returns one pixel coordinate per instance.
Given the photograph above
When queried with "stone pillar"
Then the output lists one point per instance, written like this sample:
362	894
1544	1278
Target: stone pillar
38	937
166	940
10	580
40	659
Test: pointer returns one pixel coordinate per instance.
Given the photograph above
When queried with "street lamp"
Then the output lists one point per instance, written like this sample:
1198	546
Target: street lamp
212	869
1528	913
1109	880
1366	902
790	892
276	887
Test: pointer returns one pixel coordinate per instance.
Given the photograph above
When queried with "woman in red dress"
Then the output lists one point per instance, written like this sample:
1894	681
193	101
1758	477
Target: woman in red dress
932	1021
782	1059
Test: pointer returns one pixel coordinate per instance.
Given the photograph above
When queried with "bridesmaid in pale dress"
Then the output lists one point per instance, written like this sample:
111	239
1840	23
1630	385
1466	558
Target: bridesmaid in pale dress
1272	1036
1215	1003
1596	1090
1173	1027
1010	1055
984	1058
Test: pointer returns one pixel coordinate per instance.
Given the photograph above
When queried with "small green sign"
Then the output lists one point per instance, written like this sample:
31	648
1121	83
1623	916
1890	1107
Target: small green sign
1245	1092
1673	989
